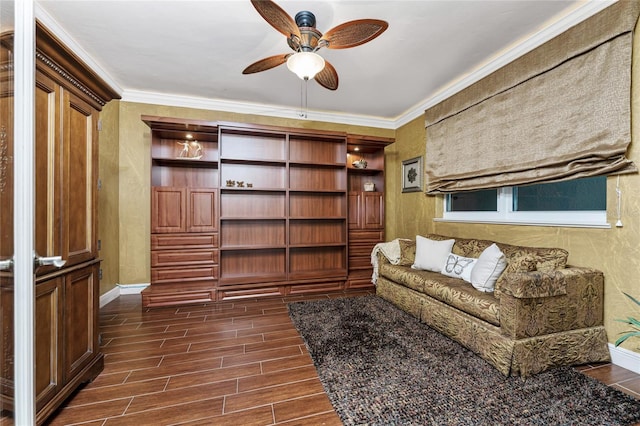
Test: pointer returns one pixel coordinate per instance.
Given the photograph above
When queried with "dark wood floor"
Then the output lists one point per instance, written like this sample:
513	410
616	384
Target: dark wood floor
231	363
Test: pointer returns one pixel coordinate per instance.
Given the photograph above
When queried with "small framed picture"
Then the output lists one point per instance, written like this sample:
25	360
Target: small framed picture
412	175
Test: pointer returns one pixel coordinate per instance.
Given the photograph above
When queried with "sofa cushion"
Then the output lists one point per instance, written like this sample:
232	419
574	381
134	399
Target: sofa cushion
405	275
452	291
431	254
488	268
458	267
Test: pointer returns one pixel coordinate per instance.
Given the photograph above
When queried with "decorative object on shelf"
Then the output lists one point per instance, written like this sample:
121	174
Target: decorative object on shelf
369	186
412	175
249	185
240	184
360	164
231	183
190	150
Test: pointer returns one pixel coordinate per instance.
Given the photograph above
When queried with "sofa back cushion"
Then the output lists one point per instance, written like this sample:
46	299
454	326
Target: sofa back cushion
519	258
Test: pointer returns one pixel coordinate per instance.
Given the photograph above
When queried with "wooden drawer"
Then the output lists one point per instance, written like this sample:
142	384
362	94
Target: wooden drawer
358	262
177	241
166	275
163	258
376	236
361	249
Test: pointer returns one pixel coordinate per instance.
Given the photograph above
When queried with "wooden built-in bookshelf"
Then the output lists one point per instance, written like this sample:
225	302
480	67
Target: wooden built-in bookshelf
365	205
263	211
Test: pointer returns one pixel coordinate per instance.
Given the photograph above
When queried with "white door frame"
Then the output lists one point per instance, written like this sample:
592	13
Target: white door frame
23	213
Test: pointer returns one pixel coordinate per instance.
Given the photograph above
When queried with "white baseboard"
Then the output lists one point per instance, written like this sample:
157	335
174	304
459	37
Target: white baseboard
625	358
121	289
109	296
132	288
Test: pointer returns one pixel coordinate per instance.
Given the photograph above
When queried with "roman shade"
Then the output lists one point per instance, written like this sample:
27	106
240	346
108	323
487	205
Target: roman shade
560	112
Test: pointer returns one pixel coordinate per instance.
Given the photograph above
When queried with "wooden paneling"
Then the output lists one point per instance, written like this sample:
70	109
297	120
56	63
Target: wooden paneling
169	207
177	275
243	204
201	213
178	241
373	210
315	150
247	146
49	339
166	258
80	319
317	178
80	179
305	205
315	232
252	265
253	233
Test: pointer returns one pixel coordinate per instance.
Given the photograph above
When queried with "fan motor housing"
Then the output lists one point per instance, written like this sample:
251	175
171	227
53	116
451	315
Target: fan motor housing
306	22
305	19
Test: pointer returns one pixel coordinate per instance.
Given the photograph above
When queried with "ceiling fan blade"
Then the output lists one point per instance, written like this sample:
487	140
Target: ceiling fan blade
266	63
328	77
353	33
276	17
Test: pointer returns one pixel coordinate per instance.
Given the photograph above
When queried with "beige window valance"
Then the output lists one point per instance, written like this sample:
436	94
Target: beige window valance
560	112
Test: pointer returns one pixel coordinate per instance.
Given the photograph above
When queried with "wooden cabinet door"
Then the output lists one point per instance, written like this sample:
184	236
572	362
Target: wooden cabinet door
355	210
79	145
48	170
168	209
80	319
6	342
373	210
201	210
48	340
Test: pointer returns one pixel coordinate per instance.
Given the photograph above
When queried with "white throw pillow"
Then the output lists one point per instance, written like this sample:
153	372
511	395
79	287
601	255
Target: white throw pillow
488	268
431	254
458	267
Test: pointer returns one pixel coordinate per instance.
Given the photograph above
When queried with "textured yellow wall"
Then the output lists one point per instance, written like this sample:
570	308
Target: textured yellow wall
615	251
134	139
108	202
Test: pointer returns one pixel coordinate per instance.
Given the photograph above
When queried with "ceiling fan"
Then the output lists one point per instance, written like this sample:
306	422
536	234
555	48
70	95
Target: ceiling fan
306	40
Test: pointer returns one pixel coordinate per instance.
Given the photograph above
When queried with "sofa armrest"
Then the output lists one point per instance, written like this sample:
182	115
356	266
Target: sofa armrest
528	285
561	300
382	258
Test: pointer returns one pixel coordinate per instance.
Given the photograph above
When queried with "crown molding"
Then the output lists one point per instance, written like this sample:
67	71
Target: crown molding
56	29
156	98
572	18
516	50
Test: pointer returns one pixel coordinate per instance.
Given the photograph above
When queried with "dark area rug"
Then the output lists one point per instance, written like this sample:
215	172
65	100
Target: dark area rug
381	366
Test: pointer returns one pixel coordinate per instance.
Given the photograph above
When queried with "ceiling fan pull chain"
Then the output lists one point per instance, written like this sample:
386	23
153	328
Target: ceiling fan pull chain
303	98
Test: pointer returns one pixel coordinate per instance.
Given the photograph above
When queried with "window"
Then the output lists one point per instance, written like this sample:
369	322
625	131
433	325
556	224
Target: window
579	202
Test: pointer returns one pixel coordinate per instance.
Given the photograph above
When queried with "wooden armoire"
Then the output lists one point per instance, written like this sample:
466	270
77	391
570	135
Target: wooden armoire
68	99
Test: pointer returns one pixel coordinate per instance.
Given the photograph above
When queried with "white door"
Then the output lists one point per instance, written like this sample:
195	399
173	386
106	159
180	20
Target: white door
17	281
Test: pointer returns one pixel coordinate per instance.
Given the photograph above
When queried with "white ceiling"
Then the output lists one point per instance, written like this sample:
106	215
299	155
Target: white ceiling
192	53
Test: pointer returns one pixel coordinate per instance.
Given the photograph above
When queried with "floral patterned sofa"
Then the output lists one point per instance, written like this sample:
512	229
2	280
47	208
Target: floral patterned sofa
542	313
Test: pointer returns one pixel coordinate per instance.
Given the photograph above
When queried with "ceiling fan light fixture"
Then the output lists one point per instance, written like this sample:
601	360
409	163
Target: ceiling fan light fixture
305	64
